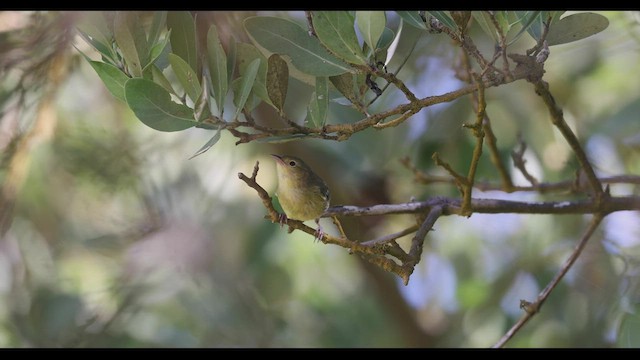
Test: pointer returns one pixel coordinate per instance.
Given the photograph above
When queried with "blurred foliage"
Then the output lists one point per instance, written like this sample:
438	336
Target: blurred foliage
117	240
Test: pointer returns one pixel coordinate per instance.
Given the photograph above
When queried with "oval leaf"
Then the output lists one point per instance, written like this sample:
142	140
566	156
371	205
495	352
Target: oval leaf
526	20
157	26
246	84
125	40
153	106
158	49
335	30
385	39
346	86
208	145
159	78
201	108
217	60
231	59
285	37
319	102
484	20
371	25
444	18
112	77
576	27
246	53
277	81
183	36
95	25
412	18
186	76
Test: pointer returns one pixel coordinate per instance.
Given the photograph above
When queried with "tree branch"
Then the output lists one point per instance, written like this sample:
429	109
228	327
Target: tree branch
557	118
418	240
373	254
533	308
519	162
566	185
342	132
452	206
494	154
477	151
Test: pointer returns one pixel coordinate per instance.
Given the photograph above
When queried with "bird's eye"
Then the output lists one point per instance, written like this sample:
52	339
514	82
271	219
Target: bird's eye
292	163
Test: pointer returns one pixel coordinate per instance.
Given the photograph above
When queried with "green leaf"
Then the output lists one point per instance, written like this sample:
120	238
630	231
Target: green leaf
95	25
535	28
285	37
444	18
277	81
527	19
576	27
383	44
231	59
386	39
319	102
157	25
537	22
201	109
160	79
371	25
403	45
187	77
629	329
153	106
126	41
95	30
112	77
246	84
412	18
335	30
183	36
246	53
103	49
217	60
484	20
345	84
158	49
208	145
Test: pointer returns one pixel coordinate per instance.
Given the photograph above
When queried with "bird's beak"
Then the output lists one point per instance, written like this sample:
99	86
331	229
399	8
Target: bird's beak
278	158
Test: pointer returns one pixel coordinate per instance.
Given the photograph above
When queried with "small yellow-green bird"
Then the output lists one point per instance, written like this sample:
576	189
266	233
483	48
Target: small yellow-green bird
302	194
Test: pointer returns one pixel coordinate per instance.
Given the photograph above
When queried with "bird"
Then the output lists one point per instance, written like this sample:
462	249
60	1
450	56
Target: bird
303	194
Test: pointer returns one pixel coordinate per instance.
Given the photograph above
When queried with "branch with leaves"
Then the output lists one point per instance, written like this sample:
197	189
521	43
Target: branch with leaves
327	56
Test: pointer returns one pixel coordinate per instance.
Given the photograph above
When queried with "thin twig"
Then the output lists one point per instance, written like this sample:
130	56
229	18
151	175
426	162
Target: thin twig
557	118
388	238
494	155
540	44
391	78
418	240
503	44
566	185
519	162
337	223
397	121
477	151
460	180
533	308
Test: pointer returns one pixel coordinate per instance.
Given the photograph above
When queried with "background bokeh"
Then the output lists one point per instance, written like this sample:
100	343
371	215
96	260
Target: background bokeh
115	239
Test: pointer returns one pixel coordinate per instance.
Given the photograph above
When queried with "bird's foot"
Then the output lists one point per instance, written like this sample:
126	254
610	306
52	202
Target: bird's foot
282	219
